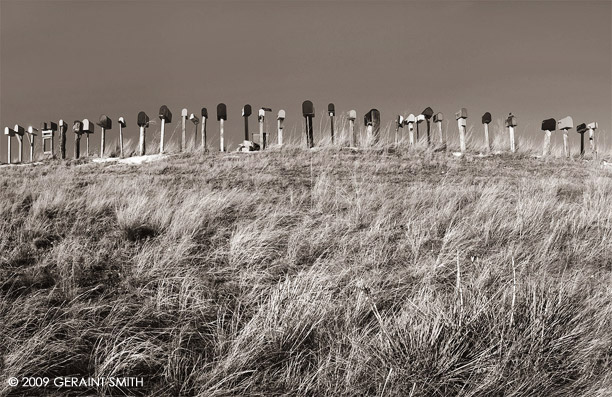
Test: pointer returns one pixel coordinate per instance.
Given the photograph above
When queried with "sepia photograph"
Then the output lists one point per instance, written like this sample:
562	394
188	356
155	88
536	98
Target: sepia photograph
306	198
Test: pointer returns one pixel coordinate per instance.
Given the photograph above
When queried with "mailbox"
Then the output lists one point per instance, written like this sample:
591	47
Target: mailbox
352	115
281	115
184	113
331	109
221	112
461	114
8	131
19	130
438	117
400	121
411	119
420	118
164	114
105	122
428	112
194	119
143	119
51	126
308	109
204	113
77	127
592	126
549	125
367	118
486	118
581	128
511	121
566	123
32	131
261	113
63	126
246	110
88	126
375	116
121	122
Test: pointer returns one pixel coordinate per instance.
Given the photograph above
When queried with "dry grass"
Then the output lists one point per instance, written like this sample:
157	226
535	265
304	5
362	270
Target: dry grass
387	271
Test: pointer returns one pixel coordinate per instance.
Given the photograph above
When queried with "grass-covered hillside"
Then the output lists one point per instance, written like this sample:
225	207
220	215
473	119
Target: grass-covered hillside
322	272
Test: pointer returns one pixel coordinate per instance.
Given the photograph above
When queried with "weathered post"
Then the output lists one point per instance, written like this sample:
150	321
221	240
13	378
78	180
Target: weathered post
183	127
143	123
566	124
428	113
410	121
461	117
438	118
77	128
221	117
581	129
352	116
263	135
9	132
331	111
246	112
486	120
419	119
367	121
308	112
399	123
47	133
165	115
121	127
280	119
88	128
548	126
105	123
375	117
19	132
31	134
204	118
195	120
63	127
592	127
511	123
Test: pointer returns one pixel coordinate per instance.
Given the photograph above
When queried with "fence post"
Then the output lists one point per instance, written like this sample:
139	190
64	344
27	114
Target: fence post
461	117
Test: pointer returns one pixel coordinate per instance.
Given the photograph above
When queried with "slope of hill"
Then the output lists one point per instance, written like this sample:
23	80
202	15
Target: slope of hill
323	272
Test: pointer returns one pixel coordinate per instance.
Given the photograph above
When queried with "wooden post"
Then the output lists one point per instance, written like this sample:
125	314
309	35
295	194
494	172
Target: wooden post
260	119
331	110
183	132
592	127
88	128
47	132
486	119
221	117
352	116
9	132
31	134
399	123
367	121
195	120
165	115
461	117
566	124
77	128
204	117
19	132
420	118
548	126
63	127
143	123
308	112
105	123
280	119
121	126
427	114
511	123
410	121
437	118
246	112
581	129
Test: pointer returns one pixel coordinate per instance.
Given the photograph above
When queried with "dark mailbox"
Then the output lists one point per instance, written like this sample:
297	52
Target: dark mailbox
486	118
549	125
247	110
438	117
77	127
143	119
581	128
204	113
165	114
221	112
331	109
511	121
105	122
308	109
428	112
48	126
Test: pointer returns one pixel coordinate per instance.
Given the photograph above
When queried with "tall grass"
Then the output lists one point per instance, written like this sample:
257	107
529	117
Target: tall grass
383	271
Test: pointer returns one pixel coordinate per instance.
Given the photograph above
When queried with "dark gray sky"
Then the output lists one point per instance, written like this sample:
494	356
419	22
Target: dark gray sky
79	59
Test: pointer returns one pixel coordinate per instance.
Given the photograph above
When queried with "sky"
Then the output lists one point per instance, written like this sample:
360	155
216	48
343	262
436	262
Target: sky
79	59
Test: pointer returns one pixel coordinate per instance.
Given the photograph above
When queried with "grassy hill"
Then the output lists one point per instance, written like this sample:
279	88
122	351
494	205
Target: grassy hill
323	272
